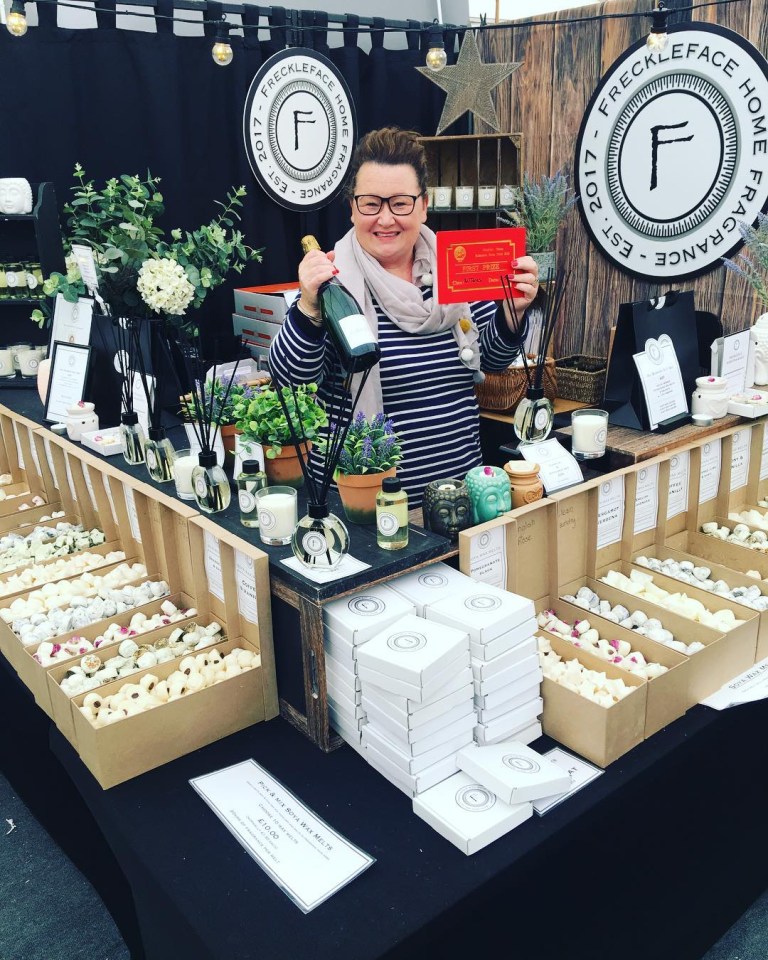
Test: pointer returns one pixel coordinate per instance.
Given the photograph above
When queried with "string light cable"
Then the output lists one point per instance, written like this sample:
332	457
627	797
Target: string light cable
337	23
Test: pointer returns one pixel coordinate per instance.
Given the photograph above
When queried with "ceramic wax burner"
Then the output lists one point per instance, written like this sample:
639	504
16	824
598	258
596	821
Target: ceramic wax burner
710	397
447	508
81	417
525	485
489	492
759	337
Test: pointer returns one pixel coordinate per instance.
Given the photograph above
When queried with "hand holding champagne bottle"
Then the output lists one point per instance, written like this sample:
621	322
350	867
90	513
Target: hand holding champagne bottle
340	313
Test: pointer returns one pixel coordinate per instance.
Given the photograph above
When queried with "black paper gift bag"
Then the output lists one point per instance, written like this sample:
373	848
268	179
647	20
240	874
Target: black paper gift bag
673	314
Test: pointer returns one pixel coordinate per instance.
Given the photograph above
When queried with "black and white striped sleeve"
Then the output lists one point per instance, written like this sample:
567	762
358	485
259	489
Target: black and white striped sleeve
297	354
498	345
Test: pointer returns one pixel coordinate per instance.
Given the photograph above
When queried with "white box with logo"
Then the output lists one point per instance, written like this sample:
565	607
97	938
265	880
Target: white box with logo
385	722
504	726
433	583
484	611
405	760
411	713
411	784
513	771
510	675
483	670
362	615
486	714
522	681
492	649
468	814
414	650
432	735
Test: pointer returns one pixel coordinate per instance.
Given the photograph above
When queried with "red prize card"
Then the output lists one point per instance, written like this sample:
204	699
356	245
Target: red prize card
470	263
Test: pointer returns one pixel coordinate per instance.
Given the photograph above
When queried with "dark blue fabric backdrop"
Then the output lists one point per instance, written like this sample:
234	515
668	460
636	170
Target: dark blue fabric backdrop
123	101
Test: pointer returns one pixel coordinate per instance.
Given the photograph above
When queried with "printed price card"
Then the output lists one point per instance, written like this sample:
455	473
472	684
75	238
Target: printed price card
679	467
740	458
647	498
711	453
213	566
246	587
610	511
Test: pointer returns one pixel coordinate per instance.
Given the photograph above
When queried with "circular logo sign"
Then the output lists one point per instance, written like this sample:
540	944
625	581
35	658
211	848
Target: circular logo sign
299	128
388	525
475	798
246	500
433	580
200	487
520	764
267	519
482	603
365	606
151	458
673	153
314	543
407	642
541	418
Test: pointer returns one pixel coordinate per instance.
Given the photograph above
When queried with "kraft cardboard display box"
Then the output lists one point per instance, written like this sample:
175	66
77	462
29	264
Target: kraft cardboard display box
468	814
20	459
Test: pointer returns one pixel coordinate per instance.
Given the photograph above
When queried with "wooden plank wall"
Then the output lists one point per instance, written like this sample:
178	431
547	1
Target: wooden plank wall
545	100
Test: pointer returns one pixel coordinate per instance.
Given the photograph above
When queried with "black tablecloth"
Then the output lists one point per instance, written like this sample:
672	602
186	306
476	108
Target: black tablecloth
655	859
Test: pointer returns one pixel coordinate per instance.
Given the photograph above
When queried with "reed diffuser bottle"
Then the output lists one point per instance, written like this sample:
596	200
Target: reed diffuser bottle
131	437
210	484
320	539
159	455
534	416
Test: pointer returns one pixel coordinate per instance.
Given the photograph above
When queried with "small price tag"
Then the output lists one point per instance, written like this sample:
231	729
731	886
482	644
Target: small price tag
87	265
610	511
488	557
679	467
647	498
740	459
213	566
246	587
711	453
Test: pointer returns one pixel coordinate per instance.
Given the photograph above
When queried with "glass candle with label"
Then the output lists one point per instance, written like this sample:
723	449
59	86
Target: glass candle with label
278	515
589	433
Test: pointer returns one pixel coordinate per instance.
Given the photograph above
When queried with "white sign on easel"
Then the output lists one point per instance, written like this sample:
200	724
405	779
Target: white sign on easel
661	380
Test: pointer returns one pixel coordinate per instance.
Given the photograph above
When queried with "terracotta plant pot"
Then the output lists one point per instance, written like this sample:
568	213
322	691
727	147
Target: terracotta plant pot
228	432
284	469
358	494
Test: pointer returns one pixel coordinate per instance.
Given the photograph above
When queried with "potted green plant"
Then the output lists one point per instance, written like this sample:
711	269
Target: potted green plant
541	207
261	419
371	452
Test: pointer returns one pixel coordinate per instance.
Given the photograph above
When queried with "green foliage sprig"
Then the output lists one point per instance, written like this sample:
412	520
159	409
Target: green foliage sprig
261	418
370	447
119	222
541	208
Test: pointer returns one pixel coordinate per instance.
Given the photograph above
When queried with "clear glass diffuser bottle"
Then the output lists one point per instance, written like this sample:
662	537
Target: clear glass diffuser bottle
159	455
320	539
131	437
534	416
210	484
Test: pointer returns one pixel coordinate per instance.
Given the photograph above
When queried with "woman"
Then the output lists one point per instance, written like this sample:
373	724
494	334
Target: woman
431	355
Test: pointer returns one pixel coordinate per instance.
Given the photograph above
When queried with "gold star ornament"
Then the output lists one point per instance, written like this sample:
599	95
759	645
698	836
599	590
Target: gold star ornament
469	84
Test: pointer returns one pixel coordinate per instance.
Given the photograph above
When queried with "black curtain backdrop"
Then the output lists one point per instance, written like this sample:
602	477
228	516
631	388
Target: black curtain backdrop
123	101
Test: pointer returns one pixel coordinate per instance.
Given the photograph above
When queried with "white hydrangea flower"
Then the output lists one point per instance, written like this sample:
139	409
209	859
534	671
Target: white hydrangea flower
165	287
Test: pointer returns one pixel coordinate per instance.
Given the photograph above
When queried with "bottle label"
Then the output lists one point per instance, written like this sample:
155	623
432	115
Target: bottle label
151	458
266	519
314	543
12	278
31	281
541	419
200	487
356	330
387	523
246	500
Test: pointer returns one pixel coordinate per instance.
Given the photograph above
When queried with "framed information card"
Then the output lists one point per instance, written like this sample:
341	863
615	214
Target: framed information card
69	373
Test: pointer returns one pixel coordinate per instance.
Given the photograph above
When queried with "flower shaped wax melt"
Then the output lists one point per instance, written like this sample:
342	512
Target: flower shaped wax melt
641	584
573	675
699	576
638	621
194	673
582	635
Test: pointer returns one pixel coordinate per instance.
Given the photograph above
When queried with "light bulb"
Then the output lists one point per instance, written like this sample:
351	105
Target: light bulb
222	53
436	58
657	41
17	19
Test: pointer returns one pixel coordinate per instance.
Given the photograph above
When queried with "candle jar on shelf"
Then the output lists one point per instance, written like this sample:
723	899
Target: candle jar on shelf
278	515
590	432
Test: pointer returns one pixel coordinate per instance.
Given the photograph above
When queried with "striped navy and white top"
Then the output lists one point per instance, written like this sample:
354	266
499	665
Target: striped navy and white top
427	390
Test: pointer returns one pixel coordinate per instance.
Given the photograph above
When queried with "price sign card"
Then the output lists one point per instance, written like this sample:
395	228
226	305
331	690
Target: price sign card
72	321
740	451
679	471
301	853
734	362
580	772
610	511
710	470
471	263
647	498
488	554
661	380
558	468
69	372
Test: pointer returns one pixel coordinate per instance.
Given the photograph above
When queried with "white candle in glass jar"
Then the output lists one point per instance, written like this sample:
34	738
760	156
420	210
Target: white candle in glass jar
589	433
182	475
277	515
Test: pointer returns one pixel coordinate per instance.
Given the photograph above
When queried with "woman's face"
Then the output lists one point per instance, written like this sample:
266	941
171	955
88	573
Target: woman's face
388	238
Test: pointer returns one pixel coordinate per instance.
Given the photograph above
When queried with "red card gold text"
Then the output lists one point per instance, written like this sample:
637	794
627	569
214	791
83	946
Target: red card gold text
470	263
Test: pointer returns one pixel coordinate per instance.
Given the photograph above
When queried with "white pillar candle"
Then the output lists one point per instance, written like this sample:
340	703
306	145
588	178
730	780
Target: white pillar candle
589	432
277	514
182	475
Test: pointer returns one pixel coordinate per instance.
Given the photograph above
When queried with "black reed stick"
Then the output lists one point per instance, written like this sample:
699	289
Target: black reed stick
554	300
506	284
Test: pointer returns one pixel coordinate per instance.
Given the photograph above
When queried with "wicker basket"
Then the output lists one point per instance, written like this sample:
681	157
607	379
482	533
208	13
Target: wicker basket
503	391
582	385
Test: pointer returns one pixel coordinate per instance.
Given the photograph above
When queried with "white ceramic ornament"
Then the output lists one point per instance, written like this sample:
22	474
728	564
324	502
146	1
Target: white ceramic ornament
15	195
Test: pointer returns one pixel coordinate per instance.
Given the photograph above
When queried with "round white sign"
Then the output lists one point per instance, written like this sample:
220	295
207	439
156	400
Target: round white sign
673	153
300	128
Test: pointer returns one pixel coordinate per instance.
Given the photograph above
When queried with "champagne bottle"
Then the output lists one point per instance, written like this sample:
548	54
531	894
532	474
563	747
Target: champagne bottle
345	323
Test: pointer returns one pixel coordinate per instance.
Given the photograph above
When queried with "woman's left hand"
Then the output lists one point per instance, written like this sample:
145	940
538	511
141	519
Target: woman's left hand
526	279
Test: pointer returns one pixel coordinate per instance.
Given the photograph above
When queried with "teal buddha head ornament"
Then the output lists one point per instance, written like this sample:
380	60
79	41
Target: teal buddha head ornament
489	492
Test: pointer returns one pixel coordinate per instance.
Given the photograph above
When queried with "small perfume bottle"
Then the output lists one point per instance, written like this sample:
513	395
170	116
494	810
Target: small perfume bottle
320	539
249	480
131	437
534	416
159	455
391	515
210	484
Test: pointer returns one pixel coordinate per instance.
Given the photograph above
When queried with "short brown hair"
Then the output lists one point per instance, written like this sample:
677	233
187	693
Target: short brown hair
392	146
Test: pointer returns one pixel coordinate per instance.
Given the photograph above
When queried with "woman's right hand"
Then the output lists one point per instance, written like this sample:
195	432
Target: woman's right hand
314	270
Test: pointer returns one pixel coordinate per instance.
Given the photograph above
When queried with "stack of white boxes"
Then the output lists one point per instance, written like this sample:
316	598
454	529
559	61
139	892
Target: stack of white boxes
505	664
418	696
347	623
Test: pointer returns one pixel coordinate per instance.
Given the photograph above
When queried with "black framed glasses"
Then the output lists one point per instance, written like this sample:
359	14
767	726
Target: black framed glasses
400	205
